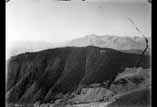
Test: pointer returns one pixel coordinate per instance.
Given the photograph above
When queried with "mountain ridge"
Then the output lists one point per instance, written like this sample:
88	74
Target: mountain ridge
42	76
114	42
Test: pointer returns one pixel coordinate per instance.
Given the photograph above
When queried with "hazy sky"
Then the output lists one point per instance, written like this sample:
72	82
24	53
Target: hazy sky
60	21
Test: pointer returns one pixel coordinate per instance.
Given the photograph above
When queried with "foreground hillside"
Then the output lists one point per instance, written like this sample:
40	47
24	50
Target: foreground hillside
57	73
140	98
131	82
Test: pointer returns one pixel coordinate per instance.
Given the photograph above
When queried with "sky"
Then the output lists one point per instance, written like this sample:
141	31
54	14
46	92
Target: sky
51	21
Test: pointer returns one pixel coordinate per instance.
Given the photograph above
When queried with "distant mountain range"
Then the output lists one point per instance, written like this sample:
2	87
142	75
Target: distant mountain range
108	41
129	44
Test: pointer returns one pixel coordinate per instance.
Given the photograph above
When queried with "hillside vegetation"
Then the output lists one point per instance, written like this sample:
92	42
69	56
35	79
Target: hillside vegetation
57	73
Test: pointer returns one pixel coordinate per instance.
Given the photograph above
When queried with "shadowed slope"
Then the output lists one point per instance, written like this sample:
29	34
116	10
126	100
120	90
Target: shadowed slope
42	76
